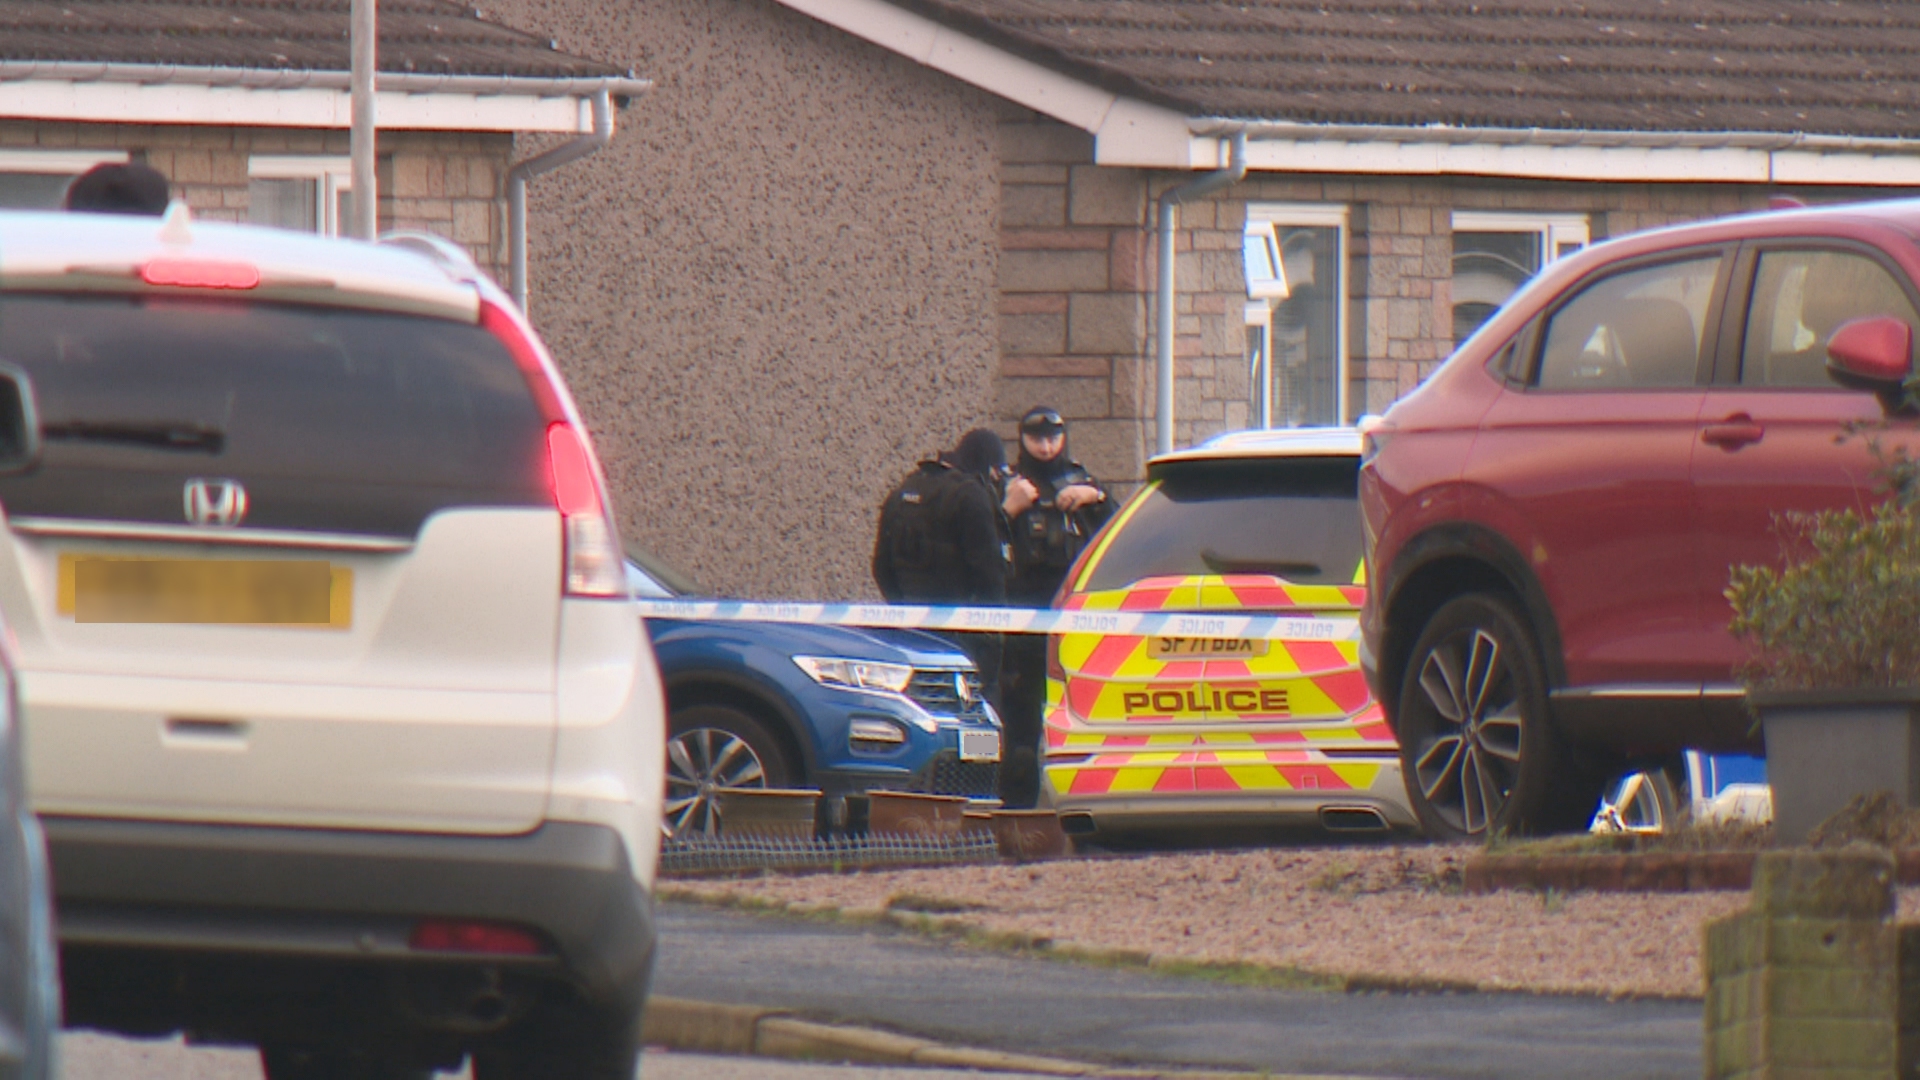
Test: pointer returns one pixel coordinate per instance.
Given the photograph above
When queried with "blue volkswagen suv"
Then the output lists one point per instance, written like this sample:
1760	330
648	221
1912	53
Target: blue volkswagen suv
842	709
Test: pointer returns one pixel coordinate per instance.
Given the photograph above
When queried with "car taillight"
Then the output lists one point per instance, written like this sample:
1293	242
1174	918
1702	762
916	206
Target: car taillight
1055	670
592	564
592	561
470	936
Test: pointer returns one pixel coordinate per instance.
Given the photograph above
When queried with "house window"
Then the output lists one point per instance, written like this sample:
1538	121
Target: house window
308	194
1495	254
38	179
1297	313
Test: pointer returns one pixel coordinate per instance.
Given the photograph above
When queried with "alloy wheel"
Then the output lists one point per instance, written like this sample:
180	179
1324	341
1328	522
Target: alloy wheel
1468	765
701	763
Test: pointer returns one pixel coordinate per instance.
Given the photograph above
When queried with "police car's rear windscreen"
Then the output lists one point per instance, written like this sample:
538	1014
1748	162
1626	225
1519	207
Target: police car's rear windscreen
335	420
1295	518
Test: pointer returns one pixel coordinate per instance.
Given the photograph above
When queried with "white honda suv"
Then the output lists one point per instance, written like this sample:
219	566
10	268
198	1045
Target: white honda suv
345	738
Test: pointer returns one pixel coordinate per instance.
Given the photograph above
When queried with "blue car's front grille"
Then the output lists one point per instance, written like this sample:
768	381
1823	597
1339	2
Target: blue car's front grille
946	774
939	692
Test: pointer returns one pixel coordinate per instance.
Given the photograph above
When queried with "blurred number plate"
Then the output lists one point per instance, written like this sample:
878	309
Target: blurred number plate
1204	648
979	746
245	592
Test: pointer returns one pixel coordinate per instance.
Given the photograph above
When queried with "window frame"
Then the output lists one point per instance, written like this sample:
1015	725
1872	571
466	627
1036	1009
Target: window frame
1259	321
1551	229
37	161
331	173
1337	216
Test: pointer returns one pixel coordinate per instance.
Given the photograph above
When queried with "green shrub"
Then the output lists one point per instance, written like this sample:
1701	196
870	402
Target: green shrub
1843	610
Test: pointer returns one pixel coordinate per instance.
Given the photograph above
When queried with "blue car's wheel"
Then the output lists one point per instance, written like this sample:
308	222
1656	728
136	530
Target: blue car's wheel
714	747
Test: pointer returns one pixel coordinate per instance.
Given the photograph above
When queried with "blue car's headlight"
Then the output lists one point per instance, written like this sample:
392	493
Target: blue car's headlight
856	674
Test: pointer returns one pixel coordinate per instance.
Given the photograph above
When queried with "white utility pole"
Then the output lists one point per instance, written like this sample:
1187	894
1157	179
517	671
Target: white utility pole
363	36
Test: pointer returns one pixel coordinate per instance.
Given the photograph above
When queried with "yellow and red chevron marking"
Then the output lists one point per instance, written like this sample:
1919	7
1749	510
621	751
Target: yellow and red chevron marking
1225	723
1225	771
1119	679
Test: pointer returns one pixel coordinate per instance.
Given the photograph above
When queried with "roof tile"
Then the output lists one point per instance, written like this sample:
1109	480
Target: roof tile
419	36
1841	67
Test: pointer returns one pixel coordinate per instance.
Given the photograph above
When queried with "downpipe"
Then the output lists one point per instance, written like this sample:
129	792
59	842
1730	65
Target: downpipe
517	178
1170	201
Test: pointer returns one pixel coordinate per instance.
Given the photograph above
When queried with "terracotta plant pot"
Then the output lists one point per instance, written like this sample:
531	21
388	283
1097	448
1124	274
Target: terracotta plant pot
1825	747
907	813
774	813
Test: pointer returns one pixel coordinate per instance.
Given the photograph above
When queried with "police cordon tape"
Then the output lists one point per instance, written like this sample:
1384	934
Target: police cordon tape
1170	624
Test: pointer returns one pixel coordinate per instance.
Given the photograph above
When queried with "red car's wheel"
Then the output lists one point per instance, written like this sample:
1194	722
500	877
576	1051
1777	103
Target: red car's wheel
1476	746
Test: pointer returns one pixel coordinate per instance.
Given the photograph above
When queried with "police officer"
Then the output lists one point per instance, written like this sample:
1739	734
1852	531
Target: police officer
942	539
1054	507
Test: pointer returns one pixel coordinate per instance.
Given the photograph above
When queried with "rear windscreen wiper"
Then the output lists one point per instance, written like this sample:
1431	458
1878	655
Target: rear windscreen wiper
1227	564
158	435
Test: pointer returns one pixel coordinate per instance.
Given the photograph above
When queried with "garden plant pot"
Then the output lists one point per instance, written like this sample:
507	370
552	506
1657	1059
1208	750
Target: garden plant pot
1824	747
907	813
772	813
1029	835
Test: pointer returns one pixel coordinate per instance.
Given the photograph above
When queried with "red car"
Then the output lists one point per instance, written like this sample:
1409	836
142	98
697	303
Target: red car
1550	519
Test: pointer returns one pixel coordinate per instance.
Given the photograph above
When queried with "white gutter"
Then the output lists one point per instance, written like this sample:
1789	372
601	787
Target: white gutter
183	94
1170	202
517	178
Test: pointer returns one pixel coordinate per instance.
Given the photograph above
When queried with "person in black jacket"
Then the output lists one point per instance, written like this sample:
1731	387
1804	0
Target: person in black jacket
1054	507
942	540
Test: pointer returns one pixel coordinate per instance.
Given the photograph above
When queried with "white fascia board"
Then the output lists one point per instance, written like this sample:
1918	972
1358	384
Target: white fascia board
1804	167
1138	135
1631	164
994	70
57	162
301	107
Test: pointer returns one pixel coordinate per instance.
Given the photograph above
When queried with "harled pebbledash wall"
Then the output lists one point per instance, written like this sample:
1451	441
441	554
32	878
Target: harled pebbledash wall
775	290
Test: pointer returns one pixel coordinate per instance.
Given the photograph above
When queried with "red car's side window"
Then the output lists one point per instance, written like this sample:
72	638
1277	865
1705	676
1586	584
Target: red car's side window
1799	299
1639	329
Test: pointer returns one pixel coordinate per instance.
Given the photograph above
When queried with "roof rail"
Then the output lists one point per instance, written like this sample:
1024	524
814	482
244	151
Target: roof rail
449	256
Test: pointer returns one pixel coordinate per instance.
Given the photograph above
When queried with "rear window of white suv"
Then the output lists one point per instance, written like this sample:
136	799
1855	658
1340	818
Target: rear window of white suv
1294	517
337	420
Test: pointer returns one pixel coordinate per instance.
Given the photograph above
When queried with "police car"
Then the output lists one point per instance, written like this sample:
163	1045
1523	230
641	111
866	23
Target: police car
1223	729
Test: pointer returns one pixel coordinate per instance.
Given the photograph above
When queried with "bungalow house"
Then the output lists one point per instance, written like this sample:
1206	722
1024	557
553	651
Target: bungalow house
842	231
244	106
837	233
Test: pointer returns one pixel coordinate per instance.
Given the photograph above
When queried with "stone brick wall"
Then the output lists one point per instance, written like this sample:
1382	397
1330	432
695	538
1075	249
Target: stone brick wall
1810	980
447	183
1076	275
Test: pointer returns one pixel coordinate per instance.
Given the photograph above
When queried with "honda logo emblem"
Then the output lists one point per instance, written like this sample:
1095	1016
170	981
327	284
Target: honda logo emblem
220	503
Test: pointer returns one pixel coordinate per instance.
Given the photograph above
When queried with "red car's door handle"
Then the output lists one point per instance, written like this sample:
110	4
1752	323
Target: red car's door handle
1732	433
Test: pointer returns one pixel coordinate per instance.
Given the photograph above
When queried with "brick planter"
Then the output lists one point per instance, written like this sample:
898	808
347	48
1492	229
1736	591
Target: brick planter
1651	871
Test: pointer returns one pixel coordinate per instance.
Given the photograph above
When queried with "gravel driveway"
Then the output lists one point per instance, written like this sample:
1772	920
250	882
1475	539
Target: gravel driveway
1391	913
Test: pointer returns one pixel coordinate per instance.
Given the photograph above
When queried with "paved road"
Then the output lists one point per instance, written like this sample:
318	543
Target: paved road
99	1057
898	980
